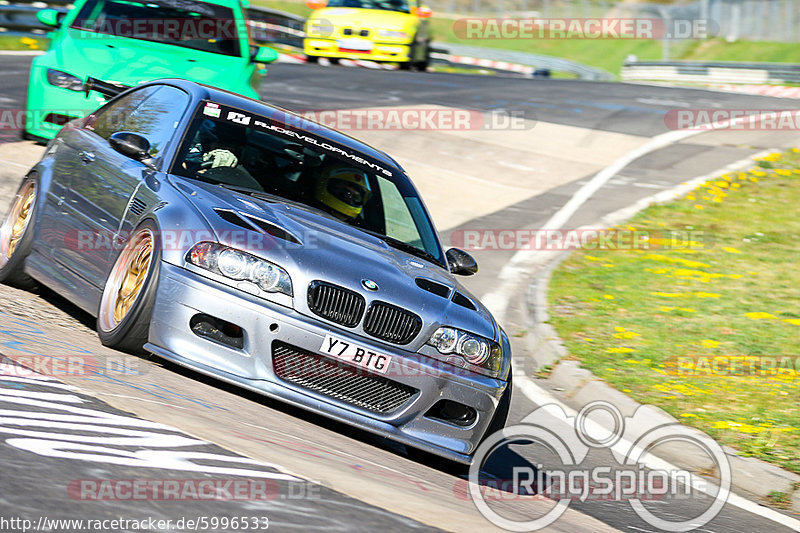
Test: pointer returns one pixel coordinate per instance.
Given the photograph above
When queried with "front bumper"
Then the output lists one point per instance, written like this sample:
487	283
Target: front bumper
380	51
182	295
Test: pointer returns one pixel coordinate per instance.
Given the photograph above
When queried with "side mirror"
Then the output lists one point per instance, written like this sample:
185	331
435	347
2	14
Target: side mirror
48	17
424	12
460	262
264	54
316	4
130	145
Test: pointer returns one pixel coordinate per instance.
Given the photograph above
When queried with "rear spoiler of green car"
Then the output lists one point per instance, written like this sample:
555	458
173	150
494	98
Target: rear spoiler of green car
106	88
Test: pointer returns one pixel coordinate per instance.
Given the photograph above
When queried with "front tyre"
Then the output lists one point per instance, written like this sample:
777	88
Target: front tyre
16	235
123	320
423	64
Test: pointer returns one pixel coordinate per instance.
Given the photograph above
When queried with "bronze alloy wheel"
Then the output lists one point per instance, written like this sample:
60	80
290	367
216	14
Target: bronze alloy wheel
13	228
127	280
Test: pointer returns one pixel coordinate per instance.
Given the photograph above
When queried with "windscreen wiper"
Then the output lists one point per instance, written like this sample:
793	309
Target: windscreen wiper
404	246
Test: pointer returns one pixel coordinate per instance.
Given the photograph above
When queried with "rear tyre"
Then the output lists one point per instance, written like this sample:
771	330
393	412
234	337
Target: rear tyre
126	307
333	60
16	235
312	59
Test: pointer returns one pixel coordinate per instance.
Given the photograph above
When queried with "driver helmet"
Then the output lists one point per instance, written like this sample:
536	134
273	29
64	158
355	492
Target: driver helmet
343	189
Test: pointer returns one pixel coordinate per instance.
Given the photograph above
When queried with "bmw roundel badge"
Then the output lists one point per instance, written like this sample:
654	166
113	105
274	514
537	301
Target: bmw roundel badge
369	284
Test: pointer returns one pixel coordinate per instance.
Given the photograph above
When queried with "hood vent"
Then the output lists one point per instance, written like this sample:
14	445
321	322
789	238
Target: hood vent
431	286
463	301
271	229
256	224
234	218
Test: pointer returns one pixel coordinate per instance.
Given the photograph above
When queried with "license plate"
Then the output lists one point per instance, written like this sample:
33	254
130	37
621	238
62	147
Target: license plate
355	44
355	354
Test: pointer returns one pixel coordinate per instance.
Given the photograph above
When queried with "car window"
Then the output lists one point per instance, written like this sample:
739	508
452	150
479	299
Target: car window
158	116
398	220
111	118
153	112
233	148
386	5
187	23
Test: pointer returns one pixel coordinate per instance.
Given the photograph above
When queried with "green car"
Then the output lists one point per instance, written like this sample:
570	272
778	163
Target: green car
128	42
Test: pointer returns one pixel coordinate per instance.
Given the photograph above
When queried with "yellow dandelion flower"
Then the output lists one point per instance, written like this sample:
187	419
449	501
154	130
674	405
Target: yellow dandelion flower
732	250
707	295
620	350
759	315
608	297
708	343
698	206
793	321
688	415
667	294
618	328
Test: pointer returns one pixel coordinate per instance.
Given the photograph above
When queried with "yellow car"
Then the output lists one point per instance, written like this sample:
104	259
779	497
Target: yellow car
379	30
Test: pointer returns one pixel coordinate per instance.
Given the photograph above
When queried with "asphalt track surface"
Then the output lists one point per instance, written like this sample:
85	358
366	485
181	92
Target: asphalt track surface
34	485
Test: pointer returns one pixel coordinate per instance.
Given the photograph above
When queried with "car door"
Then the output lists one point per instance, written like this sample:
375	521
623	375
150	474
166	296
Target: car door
98	197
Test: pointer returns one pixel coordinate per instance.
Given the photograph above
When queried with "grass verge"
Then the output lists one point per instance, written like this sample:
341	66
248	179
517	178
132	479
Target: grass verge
705	324
16	42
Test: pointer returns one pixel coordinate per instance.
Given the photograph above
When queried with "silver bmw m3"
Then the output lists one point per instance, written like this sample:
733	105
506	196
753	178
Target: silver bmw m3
268	251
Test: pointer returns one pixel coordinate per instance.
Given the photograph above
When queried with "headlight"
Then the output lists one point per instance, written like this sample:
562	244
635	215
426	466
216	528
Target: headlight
482	355
238	265
393	34
64	80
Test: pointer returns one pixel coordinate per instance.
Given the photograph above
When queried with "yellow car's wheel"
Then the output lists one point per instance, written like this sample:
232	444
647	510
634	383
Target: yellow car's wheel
123	320
16	235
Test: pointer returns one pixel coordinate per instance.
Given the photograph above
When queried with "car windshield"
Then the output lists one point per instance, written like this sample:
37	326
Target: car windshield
386	5
269	158
186	23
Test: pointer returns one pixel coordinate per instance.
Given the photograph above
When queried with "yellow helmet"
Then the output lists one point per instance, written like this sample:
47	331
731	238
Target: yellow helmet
343	189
